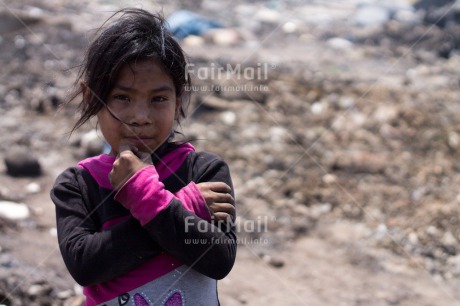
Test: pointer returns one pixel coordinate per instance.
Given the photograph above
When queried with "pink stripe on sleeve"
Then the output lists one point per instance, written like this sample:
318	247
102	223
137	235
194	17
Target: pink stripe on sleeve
144	195
112	222
173	160
192	200
99	168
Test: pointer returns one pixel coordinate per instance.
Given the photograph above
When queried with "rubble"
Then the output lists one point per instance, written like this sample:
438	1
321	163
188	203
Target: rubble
355	121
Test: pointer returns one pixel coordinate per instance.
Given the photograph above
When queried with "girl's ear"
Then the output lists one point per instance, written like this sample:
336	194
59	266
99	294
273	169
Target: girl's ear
86	92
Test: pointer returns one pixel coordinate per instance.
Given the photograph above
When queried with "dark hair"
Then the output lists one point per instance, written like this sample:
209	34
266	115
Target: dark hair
136	35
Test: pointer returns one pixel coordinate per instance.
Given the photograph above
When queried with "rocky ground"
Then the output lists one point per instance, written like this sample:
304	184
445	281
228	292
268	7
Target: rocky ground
341	129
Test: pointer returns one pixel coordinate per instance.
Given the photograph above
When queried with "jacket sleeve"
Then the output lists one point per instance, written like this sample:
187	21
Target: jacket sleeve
92	256
208	247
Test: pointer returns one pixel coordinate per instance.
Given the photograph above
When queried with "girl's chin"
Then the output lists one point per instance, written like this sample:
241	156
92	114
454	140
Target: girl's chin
140	145
144	145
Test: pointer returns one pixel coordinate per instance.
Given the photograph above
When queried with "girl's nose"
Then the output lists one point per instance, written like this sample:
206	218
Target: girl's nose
140	114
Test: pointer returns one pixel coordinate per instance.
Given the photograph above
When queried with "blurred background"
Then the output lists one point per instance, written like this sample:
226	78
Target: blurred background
339	120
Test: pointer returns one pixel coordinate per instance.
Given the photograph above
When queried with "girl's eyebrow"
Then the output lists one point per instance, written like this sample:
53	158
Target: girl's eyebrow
161	88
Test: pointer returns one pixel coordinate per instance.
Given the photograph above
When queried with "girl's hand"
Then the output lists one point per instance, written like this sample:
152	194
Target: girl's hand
220	202
128	162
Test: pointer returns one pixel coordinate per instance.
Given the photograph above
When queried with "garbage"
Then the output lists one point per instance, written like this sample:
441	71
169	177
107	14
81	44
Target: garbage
184	23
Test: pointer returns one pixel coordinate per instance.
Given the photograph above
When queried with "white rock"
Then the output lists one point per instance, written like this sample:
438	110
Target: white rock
289	27
339	43
413	238
449	239
193	41
329	178
358	119
33	187
385	113
14	211
321	209
278	134
39	290
346	102
19	42
63	295
245	9
408	17
453	140
371	16
92	142
228	117
89	137
267	15
36	12
78	289
317	108
53	231
432	230
222	37
381	231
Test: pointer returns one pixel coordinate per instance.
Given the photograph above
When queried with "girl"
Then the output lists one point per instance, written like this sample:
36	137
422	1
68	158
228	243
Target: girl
151	222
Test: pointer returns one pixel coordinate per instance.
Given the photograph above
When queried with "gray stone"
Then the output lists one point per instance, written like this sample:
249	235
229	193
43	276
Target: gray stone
22	162
12	21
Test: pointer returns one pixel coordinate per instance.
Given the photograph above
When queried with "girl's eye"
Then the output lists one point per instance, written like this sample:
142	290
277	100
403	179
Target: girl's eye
121	98
159	99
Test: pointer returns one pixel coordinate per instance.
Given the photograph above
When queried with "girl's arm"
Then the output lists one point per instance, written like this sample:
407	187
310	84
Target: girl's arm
92	256
208	247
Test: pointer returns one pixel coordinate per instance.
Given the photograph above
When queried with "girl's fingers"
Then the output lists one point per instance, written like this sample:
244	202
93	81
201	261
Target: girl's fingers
223	198
217	187
223	217
228	208
130	151
220	187
218	198
222	208
126	147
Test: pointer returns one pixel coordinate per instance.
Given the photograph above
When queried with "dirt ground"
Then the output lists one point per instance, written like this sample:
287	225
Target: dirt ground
343	152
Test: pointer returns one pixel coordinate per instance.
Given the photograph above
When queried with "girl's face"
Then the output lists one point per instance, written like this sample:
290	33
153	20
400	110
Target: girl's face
143	96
